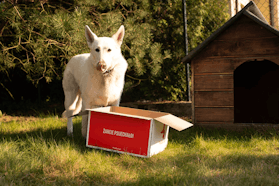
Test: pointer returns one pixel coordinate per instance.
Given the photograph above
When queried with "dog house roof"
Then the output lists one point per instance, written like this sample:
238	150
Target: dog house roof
250	10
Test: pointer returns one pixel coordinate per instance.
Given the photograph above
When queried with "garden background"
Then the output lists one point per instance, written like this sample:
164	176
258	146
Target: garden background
37	39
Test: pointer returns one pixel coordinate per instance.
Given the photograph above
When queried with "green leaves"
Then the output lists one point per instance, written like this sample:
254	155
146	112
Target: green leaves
39	38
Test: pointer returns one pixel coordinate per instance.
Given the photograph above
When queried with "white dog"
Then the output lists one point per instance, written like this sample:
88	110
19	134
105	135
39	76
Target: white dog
94	79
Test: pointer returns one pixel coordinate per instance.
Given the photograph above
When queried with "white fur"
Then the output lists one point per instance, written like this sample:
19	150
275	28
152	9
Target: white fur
94	79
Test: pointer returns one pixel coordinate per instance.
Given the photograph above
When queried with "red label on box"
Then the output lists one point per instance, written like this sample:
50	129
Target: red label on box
119	133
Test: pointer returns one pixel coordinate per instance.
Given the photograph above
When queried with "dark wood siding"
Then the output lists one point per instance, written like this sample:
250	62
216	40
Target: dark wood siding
213	69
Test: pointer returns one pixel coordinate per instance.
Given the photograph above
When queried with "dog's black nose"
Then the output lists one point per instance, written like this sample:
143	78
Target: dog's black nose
101	66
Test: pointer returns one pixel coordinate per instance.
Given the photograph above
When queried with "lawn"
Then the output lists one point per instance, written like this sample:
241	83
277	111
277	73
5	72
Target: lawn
37	151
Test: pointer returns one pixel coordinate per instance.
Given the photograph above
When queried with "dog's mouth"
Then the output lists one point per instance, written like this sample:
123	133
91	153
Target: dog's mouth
108	71
102	67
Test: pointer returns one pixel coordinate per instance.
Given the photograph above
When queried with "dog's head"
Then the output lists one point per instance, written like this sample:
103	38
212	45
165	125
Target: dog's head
104	50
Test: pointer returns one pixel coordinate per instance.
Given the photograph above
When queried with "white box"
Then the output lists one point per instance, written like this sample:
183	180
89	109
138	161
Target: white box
137	132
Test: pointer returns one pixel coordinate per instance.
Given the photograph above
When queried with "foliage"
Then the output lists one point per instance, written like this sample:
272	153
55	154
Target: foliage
38	38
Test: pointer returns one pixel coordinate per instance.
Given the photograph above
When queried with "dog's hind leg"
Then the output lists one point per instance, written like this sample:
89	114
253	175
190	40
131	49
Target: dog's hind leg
72	100
72	109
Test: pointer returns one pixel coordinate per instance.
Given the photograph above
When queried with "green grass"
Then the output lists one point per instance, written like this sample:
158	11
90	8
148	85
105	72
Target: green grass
36	151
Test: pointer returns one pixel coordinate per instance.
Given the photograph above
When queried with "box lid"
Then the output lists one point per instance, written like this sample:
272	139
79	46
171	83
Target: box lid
174	122
166	118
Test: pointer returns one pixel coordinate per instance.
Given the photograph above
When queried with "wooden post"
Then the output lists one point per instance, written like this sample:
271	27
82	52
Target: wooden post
187	65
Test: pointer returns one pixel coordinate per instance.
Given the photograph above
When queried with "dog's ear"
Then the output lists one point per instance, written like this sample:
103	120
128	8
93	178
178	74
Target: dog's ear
119	35
90	36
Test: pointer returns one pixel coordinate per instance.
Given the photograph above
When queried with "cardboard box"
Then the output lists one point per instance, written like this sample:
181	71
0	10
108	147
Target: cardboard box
137	132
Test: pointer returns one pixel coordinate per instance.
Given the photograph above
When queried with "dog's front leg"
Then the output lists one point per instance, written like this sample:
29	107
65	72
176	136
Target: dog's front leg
70	127
84	121
115	103
84	125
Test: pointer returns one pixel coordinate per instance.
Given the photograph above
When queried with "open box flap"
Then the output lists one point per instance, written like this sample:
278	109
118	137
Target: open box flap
174	122
121	111
98	109
102	109
137	112
165	118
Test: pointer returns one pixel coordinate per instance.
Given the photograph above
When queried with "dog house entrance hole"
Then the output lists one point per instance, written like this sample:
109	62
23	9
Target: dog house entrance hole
256	92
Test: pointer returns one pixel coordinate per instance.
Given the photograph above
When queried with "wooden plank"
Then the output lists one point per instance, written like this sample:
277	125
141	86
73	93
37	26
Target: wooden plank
244	27
214	73
243	38
211	125
274	59
211	99
215	123
236	126
192	92
215	90
244	47
208	65
213	82
214	115
214	106
224	66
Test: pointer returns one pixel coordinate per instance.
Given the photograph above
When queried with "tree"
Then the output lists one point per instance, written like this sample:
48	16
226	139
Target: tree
38	38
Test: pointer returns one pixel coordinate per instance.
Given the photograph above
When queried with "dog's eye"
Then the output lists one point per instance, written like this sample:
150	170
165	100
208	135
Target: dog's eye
97	50
109	50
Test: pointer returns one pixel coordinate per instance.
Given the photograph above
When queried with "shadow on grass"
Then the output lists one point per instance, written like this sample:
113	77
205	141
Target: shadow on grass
188	135
59	135
184	137
196	169
29	108
183	169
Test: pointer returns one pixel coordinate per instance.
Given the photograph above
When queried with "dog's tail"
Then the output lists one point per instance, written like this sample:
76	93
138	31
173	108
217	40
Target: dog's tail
77	107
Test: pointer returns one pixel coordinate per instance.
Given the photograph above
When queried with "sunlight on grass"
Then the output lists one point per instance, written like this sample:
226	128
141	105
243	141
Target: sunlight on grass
38	152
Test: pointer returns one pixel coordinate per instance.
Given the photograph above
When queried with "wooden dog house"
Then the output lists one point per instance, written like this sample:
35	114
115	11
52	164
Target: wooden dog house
235	73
